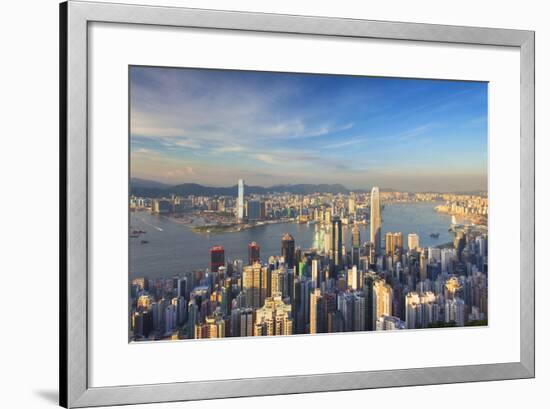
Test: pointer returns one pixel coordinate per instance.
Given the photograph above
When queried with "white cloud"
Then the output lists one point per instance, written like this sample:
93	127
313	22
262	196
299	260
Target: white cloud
229	149
265	158
182	143
185	171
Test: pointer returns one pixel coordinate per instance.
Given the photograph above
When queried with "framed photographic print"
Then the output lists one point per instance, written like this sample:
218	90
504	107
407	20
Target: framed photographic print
328	204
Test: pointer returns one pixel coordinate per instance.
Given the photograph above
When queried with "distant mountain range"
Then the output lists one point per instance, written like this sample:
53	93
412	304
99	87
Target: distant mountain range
149	188
144	183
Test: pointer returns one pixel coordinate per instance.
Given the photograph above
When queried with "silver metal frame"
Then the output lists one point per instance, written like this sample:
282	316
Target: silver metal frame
74	19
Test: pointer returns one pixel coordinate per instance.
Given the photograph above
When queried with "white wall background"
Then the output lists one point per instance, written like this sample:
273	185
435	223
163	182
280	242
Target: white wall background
29	202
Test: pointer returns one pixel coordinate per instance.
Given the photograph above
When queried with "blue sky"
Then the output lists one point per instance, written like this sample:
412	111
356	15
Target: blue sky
215	126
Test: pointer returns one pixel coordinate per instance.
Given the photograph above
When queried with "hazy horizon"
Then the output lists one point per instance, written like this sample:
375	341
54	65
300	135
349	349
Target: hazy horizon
367	188
213	127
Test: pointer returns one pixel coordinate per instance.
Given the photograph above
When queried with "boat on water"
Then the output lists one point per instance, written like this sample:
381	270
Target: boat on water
434	235
144	241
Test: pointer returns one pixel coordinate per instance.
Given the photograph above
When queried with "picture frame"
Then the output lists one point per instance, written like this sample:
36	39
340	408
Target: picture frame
75	389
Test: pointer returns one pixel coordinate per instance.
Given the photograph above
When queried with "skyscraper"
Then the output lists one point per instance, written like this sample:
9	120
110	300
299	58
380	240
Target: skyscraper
383	297
265	284
251	285
397	241
369	280
353	278
375	220
316	312
287	249
336	243
279	281
355	246
181	287
253	253
192	318
351	204
240	200
459	244
454	311
263	210
247	316
254	211
434	254
390	245
345	306
316	273
359	311
217	258
423	264
447	259
412	307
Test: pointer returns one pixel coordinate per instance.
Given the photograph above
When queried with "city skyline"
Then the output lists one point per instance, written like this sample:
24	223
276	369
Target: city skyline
333	286
269	128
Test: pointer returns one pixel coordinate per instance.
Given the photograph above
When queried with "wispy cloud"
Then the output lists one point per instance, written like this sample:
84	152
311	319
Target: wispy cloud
230	149
181	143
213	126
412	134
343	144
264	157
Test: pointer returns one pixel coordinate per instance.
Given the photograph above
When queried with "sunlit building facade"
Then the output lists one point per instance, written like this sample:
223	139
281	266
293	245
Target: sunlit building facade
240	200
375	220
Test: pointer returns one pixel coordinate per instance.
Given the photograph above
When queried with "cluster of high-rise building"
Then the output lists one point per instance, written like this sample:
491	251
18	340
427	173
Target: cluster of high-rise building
383	282
470	207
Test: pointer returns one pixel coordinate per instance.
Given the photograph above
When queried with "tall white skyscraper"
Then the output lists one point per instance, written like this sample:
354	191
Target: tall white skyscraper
375	220
240	201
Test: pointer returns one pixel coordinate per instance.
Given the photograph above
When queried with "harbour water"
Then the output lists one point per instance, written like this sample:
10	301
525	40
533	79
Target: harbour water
172	247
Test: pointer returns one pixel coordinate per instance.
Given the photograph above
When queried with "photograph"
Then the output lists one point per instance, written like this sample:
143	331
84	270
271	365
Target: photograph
271	203
275	204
